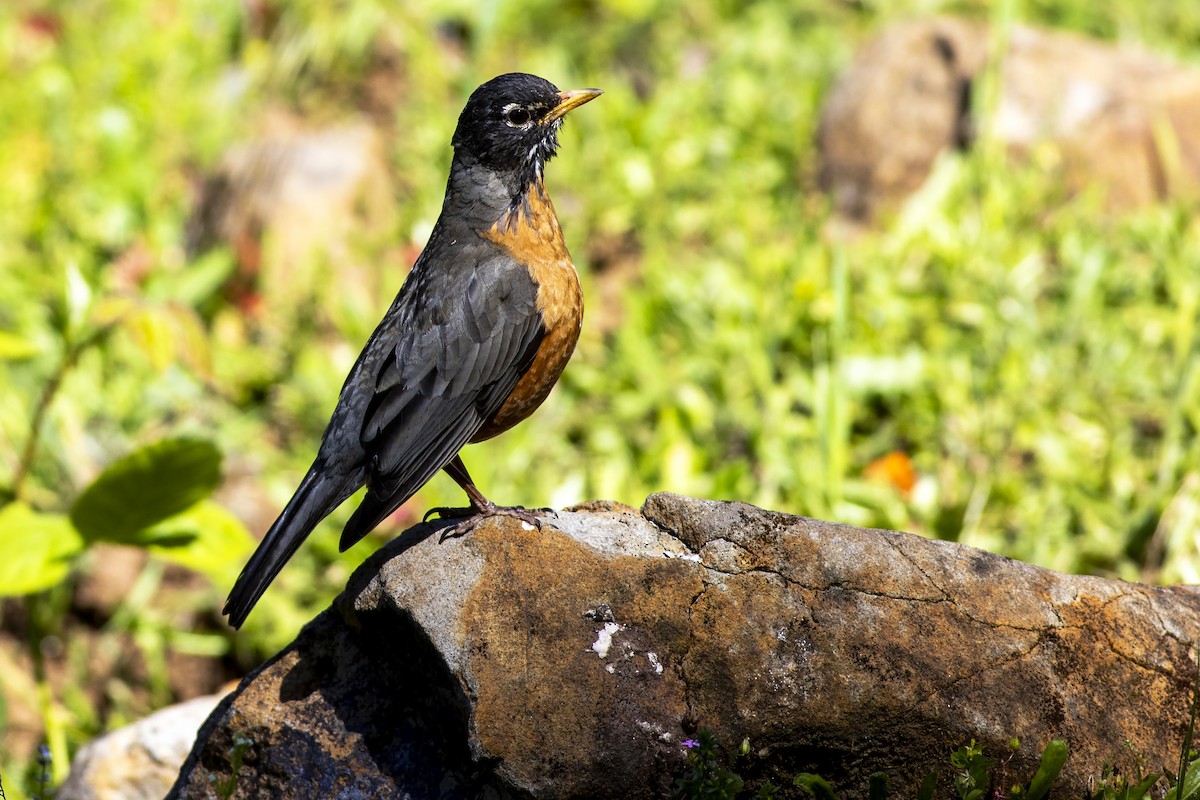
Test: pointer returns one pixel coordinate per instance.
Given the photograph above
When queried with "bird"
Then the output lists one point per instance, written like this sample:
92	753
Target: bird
472	344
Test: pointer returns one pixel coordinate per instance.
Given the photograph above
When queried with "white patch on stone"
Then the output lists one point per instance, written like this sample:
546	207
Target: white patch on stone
611	669
604	638
655	730
654	662
525	526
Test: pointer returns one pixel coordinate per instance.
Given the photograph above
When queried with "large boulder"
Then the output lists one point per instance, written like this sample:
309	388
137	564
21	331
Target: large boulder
1121	118
573	662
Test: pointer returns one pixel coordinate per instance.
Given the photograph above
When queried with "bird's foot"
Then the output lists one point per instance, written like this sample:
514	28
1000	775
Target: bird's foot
471	516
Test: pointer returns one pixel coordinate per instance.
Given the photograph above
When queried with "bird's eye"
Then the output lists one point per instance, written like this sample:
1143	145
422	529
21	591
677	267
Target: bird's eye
517	116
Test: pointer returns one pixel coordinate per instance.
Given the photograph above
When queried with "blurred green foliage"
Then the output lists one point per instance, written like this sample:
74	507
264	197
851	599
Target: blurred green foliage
1033	360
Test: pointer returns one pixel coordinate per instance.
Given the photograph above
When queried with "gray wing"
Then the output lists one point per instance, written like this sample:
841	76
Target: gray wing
441	363
458	352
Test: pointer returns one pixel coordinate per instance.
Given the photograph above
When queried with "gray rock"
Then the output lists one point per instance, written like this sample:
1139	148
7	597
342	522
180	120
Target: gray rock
139	761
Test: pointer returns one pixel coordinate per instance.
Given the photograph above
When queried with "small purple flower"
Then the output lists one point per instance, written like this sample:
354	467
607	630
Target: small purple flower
690	743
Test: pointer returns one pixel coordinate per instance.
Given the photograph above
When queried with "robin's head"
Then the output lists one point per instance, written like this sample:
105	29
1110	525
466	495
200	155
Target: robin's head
511	123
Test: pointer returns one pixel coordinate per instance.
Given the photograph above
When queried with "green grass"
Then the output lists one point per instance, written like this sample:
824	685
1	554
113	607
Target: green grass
1035	359
974	775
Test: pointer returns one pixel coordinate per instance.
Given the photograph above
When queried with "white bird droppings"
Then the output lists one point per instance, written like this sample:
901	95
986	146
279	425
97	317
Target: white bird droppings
654	662
604	638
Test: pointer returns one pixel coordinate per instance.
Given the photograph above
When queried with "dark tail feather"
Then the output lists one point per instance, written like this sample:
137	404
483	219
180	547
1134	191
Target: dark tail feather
375	508
314	500
370	512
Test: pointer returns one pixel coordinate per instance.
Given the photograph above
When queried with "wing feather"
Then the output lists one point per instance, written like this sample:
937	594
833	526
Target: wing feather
443	381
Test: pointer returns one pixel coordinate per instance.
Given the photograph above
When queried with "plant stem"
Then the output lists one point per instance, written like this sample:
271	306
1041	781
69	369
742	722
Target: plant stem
69	359
43	608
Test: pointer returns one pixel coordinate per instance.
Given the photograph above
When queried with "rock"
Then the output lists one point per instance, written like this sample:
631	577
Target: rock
573	661
904	100
139	761
294	190
1120	117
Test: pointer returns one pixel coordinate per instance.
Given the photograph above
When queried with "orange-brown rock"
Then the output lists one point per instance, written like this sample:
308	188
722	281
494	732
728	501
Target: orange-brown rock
1121	119
573	661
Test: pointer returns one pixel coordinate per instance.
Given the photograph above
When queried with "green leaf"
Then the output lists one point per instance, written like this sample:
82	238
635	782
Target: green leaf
927	787
78	295
150	329
146	487
1053	758
1185	751
36	550
816	785
1138	791
1189	787
877	786
204	277
16	348
206	538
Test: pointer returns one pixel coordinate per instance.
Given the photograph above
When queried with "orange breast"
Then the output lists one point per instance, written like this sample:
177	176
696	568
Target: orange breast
531	233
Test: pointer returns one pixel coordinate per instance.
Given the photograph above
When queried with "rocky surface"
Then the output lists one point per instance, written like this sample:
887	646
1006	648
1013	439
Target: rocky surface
572	662
1120	118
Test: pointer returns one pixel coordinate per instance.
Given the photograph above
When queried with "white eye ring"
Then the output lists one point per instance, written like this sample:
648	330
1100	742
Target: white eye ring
517	116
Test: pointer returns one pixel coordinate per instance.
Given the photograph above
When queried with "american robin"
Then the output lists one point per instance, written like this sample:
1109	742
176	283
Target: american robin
472	344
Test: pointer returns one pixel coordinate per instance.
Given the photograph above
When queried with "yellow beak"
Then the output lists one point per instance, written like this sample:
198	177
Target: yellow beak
570	100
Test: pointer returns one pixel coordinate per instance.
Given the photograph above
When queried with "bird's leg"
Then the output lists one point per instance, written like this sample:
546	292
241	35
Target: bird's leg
480	506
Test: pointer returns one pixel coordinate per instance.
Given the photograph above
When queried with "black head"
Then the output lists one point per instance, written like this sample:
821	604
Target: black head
510	124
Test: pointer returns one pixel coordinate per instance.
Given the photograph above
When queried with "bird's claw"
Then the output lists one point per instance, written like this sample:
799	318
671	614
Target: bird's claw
472	516
448	512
